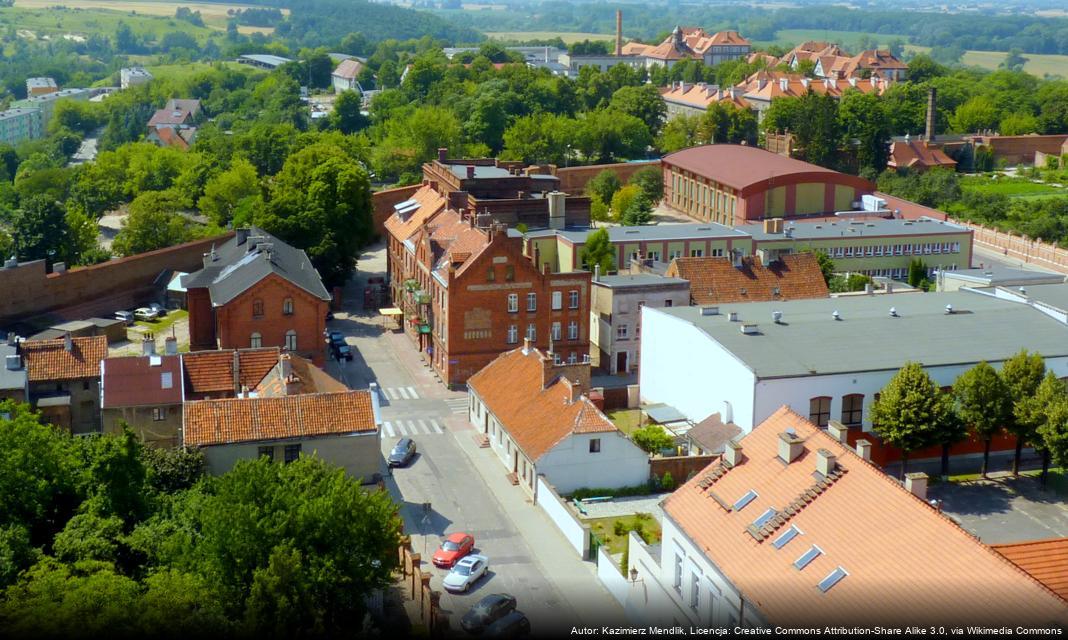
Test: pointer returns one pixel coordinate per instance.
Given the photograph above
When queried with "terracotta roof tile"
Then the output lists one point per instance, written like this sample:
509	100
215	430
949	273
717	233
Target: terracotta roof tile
923	567
213	371
430	204
917	153
133	381
536	417
50	360
1046	560
716	280
212	422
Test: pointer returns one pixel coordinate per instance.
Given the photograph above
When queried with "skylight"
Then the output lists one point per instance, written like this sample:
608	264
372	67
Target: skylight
166	380
807	557
832	579
744	500
764	518
786	537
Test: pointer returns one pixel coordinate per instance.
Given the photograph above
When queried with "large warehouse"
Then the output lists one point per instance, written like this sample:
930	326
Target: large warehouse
734	184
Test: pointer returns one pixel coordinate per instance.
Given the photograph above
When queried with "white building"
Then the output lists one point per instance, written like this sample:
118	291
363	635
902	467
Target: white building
827	358
530	410
346	76
132	76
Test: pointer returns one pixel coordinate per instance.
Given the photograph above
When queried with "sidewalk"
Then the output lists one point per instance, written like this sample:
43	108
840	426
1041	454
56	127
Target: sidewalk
575	579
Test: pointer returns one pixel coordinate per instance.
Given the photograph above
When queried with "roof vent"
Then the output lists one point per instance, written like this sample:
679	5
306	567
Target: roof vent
776	316
893	312
836	315
11	262
750	329
710	311
13	362
732	316
1023	291
949	309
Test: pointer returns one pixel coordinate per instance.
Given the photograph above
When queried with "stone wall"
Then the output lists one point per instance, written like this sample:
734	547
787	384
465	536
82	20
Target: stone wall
573	179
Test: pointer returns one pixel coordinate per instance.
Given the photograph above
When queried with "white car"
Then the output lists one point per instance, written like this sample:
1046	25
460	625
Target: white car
145	313
465	573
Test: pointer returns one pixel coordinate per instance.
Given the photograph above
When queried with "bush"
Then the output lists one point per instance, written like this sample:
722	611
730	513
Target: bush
667	482
652	438
619	528
622	492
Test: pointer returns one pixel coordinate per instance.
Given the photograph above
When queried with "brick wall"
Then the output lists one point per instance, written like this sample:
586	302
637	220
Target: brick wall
30	292
1021	149
382	204
1019	247
680	467
574	179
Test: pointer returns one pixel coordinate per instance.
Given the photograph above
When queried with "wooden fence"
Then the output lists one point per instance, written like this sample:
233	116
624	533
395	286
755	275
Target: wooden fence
417	589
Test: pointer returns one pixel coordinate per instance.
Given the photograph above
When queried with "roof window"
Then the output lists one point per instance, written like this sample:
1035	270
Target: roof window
764	518
832	579
744	500
807	557
786	537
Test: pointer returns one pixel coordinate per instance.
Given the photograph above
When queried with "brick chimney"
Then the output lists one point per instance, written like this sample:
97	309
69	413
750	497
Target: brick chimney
916	484
929	132
619	32
790	446
443	154
470	171
574	389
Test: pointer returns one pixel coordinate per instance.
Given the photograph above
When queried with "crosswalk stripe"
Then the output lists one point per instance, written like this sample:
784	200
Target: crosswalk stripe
400	427
389	429
403	393
411	390
414	429
391	394
426	429
437	427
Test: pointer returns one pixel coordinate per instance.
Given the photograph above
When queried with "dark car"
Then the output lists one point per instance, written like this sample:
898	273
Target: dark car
336	337
402	453
342	351
512	625
488	610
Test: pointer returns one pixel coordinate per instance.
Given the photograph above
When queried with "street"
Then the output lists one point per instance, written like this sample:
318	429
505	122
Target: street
540	573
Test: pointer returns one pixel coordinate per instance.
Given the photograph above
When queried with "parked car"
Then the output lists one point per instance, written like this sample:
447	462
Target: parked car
336	337
456	546
513	625
402	453
159	309
342	352
466	572
488	610
145	313
125	316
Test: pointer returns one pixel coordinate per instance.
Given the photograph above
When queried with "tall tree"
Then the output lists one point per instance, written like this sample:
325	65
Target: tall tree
724	123
153	223
599	252
223	192
1022	373
347	116
604	185
865	128
642	102
984	404
1042	412
909	411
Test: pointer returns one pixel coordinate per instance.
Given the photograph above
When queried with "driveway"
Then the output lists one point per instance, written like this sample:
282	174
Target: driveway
1004	509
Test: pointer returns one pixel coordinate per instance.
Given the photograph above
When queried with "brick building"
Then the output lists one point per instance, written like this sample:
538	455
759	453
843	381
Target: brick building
764	278
64	380
257	291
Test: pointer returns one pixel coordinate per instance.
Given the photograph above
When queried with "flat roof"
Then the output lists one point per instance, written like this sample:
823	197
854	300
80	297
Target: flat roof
639	280
809	341
10	378
1054	295
266	58
655	232
481	171
855	228
742	166
997	274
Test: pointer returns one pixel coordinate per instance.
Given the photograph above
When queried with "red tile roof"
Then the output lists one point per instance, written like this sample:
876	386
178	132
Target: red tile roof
794	276
49	359
536	417
134	381
233	420
1046	560
917	154
164	117
701	95
904	561
430	204
348	69
213	371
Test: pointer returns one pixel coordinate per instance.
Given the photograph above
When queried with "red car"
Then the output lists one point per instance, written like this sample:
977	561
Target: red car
452	549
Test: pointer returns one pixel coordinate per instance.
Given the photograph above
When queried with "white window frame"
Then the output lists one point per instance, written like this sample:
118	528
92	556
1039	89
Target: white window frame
513	334
558	300
532	332
556	333
573	300
532	302
622	332
513	303
573	330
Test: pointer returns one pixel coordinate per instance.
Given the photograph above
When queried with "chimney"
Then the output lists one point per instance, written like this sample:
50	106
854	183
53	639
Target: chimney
709	311
443	154
784	84
59	267
241	235
596	273
11	338
916	484
292	385
285	362
838	431
68	342
170	345
864	449
526	346
732	453
769	225
619	32
557	208
546	55
470	171
148	345
574	389
826	462
930	130
790	446
805	82
13	362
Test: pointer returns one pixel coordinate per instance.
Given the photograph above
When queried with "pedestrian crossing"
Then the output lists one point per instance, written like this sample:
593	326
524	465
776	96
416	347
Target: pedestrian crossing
409	428
400	393
457	405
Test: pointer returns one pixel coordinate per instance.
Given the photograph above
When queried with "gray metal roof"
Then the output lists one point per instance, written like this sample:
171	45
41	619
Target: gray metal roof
266	58
998	274
655	232
241	264
639	280
1054	295
481	171
855	228
867	338
10	379
664	413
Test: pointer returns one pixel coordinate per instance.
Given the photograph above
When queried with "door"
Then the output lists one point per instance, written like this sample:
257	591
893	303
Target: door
515	461
621	362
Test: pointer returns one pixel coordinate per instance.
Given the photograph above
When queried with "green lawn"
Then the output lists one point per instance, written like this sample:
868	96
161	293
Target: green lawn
1057	482
183	71
1038	64
848	40
1012	187
567	36
626	420
165	322
605	529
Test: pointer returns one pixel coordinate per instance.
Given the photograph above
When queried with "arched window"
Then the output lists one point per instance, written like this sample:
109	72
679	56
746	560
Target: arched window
257	308
853	409
256	341
287	307
291	340
819	410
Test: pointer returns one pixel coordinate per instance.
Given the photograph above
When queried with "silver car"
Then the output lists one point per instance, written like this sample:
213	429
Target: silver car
465	573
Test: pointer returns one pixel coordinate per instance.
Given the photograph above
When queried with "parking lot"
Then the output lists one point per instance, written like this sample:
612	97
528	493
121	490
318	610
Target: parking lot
1004	509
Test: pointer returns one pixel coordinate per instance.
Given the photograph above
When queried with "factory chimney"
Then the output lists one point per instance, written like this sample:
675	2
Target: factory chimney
619	32
930	133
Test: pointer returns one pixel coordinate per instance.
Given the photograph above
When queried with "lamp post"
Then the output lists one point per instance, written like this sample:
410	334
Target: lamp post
567	158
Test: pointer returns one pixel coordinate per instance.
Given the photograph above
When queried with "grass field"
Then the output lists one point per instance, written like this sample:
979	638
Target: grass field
567	36
1038	64
84	22
214	15
604	528
182	71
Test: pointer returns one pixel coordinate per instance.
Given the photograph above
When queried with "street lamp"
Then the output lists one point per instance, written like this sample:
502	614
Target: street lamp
567	158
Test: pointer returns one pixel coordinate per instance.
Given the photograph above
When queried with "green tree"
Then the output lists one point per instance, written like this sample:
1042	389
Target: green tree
917	272
604	185
651	181
39	228
949	430
172	470
638	212
1022	373
1018	124
607	135
642	102
1045	413
623	198
1014	61
223	192
826	265
153	223
88	536
679	132
908	412
652	438
347	116
865	128
977	114
540	138
725	123
983	403
599	252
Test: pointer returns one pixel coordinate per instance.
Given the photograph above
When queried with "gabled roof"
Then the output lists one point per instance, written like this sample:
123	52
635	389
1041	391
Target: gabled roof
135	381
537	417
409	216
172	137
702	95
214	371
49	359
348	69
1045	560
712	434
917	153
170	117
234	420
241	262
187	104
716	280
923	567
743	168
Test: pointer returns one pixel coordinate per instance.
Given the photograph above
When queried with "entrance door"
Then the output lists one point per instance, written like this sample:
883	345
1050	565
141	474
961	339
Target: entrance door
621	362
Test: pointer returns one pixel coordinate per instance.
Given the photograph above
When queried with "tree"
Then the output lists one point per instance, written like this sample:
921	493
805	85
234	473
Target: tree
917	272
599	252
639	212
1014	61
652	438
865	128
679	132
826	265
977	114
909	411
607	135
604	185
40	230
1018	124
651	182
983	403
948	431
347	116
172	470
1044	413
153	223
223	192
1022	373
642	102
623	198
725	123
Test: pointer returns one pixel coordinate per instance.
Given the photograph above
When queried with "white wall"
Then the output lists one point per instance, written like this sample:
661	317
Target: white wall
577	534
685	368
570	465
501	442
359	454
611	577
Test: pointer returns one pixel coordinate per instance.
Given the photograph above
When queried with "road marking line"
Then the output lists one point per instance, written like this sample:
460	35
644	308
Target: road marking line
426	429
400	427
389	429
391	393
414	429
411	390
403	393
437	427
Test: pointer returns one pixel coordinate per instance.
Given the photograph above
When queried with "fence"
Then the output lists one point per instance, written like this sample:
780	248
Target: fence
1019	247
417	589
680	467
577	533
610	575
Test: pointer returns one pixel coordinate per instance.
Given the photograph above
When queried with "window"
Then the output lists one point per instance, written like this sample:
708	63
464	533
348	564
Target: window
832	579
853	409
879	250
937	247
764	518
819	411
292	452
695	591
786	537
532	332
572	330
668	302
595	445
869	250
532	302
558	300
491	275
927	248
744	500
956	247
513	302
556	333
513	334
291	340
572	300
654	256
621	332
256	341
159	413
675	254
509	273
287	307
807	557
699	253
678	573
849	252
572	357
257	308
266	452
839	252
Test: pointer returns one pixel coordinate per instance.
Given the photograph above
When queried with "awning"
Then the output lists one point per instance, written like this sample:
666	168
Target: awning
390	311
424	328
